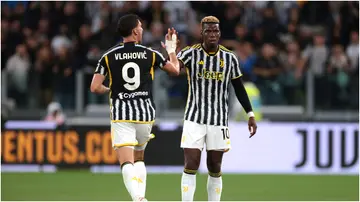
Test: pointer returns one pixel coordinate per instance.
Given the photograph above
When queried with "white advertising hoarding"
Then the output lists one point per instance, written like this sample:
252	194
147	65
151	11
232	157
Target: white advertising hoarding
292	148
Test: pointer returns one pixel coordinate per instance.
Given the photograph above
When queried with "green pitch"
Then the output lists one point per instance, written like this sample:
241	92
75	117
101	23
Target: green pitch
78	186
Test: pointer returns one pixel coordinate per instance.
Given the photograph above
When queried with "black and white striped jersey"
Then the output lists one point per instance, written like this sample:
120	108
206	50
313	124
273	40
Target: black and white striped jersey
130	68
209	78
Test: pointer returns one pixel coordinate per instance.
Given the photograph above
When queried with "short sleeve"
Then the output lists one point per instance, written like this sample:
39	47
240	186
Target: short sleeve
158	59
185	55
235	68
101	67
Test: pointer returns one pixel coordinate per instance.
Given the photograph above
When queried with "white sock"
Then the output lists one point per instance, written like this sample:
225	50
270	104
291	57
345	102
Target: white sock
141	171
188	186
214	188
130	180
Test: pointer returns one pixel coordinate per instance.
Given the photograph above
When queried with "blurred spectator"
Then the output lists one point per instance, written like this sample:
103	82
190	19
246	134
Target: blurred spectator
14	36
251	17
82	46
65	81
104	37
352	50
61	38
247	59
161	84
55	113
43	31
155	35
267	68
313	12
17	68
282	9
314	57
338	68
155	13
44	66
101	17
6	48
271	24
73	17
291	76
180	15
293	23
231	16
32	45
241	35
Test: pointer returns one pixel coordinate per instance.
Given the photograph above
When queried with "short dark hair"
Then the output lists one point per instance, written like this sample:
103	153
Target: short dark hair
126	24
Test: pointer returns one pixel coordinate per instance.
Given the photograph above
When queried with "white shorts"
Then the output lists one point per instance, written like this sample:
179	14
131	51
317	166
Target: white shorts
134	135
196	135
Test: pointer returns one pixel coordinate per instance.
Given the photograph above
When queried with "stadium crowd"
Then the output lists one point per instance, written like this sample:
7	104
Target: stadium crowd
44	44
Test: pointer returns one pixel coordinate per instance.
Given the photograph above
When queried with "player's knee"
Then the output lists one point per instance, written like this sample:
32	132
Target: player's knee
138	155
191	165
214	166
192	160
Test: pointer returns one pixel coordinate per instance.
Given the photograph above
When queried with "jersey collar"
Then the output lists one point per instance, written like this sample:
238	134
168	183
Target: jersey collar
210	53
131	43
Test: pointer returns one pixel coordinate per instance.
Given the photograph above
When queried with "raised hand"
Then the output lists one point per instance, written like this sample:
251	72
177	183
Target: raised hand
170	41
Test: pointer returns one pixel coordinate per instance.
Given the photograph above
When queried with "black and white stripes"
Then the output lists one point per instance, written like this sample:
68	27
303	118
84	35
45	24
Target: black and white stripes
133	110
130	81
209	77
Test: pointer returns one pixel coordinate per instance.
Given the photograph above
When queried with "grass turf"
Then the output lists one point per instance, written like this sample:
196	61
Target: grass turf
77	186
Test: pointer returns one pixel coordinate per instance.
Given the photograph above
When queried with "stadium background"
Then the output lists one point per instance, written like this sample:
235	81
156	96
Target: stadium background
301	66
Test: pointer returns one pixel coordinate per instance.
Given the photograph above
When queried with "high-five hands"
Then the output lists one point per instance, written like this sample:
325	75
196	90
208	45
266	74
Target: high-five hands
170	41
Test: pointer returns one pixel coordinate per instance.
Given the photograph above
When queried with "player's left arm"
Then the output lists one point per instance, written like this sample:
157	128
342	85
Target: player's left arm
242	95
99	77
172	65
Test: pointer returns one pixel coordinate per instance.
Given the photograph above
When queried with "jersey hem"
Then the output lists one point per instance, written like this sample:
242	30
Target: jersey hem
132	121
198	122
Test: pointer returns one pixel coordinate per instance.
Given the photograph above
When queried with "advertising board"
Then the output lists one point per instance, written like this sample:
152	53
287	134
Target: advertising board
293	148
82	146
287	148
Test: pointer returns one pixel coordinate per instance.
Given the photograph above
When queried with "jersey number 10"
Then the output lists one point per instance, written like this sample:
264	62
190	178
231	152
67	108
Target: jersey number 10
226	134
132	83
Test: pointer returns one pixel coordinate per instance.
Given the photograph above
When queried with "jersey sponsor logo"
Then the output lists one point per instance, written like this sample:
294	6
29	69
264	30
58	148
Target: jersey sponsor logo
132	95
127	56
219	76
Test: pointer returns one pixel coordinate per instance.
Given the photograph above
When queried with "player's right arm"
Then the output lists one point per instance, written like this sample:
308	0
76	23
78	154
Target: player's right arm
99	77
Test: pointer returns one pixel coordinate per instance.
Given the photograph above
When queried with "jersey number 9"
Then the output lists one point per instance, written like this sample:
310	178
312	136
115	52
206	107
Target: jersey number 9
132	83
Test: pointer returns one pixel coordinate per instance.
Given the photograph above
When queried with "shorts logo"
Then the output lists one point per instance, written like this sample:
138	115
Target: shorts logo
183	139
132	95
